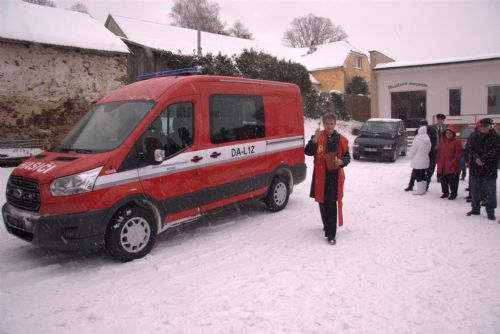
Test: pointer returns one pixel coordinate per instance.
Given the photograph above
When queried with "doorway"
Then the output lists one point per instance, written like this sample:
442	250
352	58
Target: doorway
411	107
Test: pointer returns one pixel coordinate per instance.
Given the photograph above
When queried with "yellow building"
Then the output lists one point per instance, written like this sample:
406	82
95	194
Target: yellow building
335	64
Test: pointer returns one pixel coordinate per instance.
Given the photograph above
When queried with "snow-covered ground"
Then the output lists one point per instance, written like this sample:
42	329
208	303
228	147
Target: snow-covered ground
402	264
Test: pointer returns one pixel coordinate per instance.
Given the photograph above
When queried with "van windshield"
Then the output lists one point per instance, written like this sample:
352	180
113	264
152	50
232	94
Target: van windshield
104	127
379	127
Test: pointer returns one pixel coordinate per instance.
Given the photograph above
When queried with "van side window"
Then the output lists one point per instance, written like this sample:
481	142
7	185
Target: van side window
236	117
174	128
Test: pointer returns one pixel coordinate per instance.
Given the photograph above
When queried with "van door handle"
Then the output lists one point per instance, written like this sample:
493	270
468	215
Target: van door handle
215	154
196	158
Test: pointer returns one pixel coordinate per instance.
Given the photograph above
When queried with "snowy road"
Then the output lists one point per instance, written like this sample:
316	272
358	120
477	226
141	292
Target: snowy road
402	264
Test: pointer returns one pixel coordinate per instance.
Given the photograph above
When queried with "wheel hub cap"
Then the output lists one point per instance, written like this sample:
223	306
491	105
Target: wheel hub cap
280	194
135	235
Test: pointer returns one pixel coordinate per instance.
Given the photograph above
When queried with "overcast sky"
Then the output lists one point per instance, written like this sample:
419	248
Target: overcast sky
401	29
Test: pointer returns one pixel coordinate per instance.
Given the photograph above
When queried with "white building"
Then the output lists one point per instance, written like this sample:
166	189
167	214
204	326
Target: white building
465	90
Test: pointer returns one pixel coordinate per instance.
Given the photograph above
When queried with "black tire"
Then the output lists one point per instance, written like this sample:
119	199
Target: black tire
404	152
394	156
277	194
355	156
131	234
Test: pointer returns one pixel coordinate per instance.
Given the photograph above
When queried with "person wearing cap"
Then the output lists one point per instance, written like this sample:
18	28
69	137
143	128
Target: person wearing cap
467	155
449	153
483	150
439	128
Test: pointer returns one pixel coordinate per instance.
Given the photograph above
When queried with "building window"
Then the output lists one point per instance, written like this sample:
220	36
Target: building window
455	102
409	106
358	62
494	100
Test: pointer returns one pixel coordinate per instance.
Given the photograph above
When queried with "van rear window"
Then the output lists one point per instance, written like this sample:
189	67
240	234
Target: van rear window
236	117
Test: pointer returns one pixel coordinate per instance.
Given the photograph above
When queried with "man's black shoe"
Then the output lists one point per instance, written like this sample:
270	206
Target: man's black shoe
452	197
332	241
444	195
491	216
409	189
473	212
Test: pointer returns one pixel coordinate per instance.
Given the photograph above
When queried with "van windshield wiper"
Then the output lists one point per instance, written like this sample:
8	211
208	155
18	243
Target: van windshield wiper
76	150
82	150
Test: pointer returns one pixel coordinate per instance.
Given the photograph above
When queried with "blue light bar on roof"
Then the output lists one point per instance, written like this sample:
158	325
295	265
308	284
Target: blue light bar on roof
180	71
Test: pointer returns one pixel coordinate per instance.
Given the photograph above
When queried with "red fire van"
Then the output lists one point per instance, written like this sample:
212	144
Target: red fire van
157	153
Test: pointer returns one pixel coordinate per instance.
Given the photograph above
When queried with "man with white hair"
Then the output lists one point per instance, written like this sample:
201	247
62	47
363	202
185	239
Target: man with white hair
419	155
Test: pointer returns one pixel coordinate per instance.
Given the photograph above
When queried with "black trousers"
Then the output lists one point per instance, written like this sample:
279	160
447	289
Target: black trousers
419	174
432	167
329	217
449	184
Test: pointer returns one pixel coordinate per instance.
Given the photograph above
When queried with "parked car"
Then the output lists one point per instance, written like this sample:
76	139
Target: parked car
383	138
465	134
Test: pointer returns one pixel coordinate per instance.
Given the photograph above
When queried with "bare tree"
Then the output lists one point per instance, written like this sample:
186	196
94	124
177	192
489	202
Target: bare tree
80	7
311	30
240	30
48	3
197	14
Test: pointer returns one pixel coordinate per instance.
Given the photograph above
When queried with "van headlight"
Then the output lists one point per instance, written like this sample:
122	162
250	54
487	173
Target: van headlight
75	184
388	147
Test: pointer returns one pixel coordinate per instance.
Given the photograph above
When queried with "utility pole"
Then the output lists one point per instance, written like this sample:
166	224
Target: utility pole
199	41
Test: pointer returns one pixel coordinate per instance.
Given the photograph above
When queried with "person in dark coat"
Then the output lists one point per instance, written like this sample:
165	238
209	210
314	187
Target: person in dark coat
449	154
439	129
467	156
331	154
482	150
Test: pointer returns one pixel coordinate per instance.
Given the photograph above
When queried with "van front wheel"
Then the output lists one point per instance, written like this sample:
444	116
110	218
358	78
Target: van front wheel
131	234
277	195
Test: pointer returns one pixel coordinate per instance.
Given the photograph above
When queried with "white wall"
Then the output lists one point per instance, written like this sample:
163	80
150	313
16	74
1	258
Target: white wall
472	78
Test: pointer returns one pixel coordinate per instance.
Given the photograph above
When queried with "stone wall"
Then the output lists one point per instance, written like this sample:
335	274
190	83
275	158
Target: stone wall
44	90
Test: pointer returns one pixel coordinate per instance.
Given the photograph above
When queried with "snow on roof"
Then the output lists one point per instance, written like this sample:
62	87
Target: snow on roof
23	21
384	120
314	81
328	56
176	39
399	64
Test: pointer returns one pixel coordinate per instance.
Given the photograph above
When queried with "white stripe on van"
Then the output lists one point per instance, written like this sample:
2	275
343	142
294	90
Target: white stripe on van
183	161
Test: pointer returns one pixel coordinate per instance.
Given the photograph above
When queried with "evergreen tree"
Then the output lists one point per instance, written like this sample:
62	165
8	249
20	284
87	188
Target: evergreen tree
358	85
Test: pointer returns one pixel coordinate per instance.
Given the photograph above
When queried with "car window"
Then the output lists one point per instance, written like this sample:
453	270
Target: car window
380	127
466	132
174	128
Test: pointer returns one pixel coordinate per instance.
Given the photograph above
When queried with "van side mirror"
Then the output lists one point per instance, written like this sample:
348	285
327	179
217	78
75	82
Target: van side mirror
355	131
153	152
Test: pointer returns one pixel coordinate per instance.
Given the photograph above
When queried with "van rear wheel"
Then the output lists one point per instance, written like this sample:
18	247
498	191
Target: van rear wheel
131	234
277	194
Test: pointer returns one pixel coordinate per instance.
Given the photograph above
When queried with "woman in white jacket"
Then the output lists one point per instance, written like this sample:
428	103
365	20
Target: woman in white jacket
419	154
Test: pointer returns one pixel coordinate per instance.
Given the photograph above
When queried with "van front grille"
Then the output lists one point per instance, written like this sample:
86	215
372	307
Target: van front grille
23	193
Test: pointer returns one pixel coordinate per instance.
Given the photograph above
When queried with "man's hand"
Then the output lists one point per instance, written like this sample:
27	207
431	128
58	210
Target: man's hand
316	135
479	162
